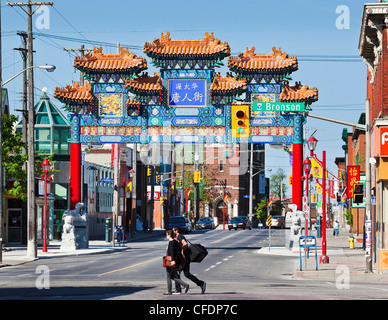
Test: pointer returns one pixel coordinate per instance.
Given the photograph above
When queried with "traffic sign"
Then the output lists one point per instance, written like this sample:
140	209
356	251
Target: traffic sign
278	106
269	221
305	199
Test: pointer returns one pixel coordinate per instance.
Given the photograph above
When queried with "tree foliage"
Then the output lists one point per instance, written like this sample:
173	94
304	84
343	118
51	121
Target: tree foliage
14	161
278	179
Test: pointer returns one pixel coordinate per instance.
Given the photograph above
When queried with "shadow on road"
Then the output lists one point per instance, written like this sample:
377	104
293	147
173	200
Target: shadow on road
70	293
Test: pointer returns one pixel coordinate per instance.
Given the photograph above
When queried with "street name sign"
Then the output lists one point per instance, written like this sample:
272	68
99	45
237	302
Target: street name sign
279	106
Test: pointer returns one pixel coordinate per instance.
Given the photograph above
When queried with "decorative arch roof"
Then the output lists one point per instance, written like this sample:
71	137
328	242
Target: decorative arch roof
227	84
298	93
145	83
207	47
252	62
124	61
75	93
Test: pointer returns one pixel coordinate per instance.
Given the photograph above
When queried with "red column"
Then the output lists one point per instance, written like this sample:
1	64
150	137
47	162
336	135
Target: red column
324	258
297	173
75	174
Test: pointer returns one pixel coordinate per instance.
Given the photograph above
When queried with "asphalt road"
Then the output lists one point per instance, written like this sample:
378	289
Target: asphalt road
232	270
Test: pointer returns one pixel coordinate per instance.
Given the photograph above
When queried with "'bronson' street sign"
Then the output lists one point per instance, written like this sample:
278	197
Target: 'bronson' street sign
278	106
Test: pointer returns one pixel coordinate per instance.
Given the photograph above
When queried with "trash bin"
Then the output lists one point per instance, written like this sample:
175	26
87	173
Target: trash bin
319	227
108	230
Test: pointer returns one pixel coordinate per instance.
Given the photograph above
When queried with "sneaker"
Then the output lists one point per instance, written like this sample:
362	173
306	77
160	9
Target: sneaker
203	287
177	292
187	288
167	293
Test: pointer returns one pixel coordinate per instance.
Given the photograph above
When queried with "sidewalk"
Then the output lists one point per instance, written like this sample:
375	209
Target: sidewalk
340	256
15	255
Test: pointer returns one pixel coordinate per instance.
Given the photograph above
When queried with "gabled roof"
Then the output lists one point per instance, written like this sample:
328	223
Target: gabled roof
298	93
252	62
227	84
145	83
75	93
187	48
124	61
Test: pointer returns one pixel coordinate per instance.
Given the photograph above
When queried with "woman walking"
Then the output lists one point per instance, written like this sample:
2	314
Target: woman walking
174	251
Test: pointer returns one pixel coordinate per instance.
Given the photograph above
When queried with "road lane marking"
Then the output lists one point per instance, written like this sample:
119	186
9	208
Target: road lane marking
232	235
132	266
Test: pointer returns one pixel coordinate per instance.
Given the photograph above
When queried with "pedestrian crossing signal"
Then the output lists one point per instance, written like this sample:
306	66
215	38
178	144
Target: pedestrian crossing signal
240	121
358	193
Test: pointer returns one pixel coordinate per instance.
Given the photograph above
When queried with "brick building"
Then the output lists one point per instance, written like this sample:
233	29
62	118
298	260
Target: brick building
373	47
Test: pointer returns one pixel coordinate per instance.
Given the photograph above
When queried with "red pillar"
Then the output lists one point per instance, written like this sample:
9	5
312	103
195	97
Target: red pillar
75	174
297	173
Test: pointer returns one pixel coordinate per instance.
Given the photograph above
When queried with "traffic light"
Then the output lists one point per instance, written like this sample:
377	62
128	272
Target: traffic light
290	180
339	175
240	121
313	197
358	193
197	176
148	172
157	179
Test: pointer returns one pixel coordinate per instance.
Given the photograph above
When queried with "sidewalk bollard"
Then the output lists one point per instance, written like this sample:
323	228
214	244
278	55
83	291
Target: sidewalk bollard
351	242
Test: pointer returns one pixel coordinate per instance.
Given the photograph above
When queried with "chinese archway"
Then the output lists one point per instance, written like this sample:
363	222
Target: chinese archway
187	101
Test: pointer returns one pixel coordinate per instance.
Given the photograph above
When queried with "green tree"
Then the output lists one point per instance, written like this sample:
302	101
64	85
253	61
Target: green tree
13	160
261	210
277	184
277	208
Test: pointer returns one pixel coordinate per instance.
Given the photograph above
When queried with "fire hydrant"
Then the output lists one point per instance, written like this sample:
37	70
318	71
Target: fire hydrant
351	242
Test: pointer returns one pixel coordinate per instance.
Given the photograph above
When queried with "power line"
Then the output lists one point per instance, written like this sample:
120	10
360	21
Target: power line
95	43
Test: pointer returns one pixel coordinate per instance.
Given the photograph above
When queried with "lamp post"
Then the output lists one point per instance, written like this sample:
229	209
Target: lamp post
46	167
251	175
307	168
312	144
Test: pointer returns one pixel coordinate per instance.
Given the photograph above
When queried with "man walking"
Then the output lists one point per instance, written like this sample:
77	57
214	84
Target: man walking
186	270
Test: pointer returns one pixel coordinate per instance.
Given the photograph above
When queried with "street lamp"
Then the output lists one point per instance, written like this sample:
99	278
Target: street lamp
312	144
46	167
47	67
251	189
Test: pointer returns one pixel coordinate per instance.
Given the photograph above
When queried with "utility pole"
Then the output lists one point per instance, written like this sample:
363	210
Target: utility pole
31	209
82	51
24	54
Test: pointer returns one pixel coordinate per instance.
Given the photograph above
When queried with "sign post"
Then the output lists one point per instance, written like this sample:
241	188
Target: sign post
307	242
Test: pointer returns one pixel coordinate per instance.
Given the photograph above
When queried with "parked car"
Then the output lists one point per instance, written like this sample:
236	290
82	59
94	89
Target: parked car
242	222
205	223
278	222
179	221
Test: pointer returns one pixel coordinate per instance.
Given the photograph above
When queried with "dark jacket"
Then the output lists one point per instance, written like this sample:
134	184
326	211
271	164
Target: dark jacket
174	250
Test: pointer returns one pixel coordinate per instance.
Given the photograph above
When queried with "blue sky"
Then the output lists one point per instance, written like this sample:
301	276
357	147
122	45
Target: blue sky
305	28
